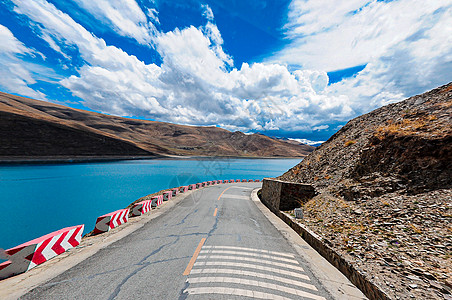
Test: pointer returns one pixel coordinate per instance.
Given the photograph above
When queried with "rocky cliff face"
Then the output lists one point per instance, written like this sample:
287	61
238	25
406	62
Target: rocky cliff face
385	202
406	147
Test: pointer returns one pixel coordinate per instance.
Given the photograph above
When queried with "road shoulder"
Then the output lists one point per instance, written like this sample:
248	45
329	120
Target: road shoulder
331	278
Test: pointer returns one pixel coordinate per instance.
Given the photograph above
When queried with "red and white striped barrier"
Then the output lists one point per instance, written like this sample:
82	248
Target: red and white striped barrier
30	254
250	180
183	189
141	208
192	187
257	180
157	200
199	185
175	191
225	181
108	221
244	180
220	181
167	195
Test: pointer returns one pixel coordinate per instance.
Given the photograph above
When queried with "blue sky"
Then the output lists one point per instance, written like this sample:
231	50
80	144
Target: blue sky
298	69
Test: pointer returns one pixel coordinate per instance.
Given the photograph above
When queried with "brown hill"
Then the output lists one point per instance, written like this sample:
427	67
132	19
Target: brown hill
32	128
405	146
385	195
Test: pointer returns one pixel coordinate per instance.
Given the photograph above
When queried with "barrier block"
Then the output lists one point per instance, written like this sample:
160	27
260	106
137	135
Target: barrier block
257	180
226	181
192	187
167	195
250	180
157	200
175	191
220	181
237	180
244	180
108	221
199	185
204	184
141	208
30	254
183	189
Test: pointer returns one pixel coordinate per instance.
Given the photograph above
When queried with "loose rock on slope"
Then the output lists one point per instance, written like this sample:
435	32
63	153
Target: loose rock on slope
385	183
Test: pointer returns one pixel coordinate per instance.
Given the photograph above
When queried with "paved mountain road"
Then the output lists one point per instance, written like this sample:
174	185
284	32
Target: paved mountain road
215	244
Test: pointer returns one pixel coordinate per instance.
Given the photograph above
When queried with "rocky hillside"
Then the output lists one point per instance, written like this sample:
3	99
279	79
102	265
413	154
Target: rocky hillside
406	146
32	128
385	195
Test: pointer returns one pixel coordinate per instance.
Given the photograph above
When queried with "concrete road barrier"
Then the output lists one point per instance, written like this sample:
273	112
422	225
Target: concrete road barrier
192	187
220	181
257	180
108	221
175	191
141	208
167	195
183	189
35	252
200	185
157	200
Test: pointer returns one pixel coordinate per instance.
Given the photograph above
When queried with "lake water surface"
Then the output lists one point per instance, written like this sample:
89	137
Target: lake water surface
38	199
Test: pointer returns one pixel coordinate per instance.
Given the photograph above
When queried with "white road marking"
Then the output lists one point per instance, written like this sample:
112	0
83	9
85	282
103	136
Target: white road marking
229	196
270	286
250	250
231	291
254	274
249	254
250	259
251	266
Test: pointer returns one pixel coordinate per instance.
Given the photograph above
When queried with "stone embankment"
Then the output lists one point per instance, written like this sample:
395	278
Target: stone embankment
384	191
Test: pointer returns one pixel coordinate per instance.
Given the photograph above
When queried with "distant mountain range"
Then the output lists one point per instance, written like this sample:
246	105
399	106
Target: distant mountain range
38	129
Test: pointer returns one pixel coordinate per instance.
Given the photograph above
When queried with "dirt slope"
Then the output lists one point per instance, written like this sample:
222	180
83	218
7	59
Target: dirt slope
33	128
385	202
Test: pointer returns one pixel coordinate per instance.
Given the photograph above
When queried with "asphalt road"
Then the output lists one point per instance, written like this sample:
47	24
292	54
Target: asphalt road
240	255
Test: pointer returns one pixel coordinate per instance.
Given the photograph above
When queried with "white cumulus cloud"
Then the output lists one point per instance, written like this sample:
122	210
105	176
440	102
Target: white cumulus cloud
197	83
15	75
125	16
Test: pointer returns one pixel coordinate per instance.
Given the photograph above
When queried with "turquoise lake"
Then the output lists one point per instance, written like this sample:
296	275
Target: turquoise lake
38	199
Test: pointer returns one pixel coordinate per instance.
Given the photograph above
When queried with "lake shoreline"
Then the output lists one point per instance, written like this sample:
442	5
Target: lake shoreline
90	159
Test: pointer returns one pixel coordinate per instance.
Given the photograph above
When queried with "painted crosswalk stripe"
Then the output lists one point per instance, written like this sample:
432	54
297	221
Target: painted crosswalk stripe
250	259
231	291
255	274
250	250
261	284
200	264
230	196
204	252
